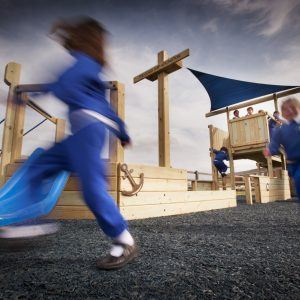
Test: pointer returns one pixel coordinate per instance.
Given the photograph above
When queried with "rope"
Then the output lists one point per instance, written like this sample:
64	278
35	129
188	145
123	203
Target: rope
34	127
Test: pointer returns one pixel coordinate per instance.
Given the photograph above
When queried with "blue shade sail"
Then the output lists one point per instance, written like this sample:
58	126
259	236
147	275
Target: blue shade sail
224	92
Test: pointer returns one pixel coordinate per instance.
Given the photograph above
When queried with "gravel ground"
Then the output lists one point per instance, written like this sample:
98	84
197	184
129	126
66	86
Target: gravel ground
239	253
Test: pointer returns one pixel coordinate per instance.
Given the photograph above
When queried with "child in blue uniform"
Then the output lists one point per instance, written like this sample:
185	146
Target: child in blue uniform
220	156
274	123
81	88
288	136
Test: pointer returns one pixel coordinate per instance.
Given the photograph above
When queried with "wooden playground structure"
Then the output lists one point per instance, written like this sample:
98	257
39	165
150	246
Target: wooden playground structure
143	191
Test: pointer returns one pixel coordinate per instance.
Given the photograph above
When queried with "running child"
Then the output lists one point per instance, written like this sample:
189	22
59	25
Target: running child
288	136
81	88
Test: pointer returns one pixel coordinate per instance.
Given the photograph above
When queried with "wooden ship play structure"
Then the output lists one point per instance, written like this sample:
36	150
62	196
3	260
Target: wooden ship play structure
143	191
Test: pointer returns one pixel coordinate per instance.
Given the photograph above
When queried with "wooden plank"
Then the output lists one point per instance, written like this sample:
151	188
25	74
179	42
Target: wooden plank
212	157
60	130
254	101
231	162
157	198
18	132
11	77
270	167
72	198
248	190
111	169
257	190
156	172
201	185
153	184
74	185
163	115
166	66
71	213
117	102
139	212
39	110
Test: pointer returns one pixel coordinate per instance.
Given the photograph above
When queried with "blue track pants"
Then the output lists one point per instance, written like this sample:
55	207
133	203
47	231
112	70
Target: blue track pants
81	154
221	167
294	172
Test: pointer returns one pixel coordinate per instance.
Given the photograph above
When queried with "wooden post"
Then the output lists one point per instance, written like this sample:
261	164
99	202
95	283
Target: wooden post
117	95
224	185
215	181
194	185
278	173
275	101
258	167
248	190
60	130
270	167
11	78
163	115
160	72
18	131
231	163
257	189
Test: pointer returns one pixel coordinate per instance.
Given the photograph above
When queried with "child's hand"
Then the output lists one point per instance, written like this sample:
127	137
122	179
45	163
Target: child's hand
267	152
126	144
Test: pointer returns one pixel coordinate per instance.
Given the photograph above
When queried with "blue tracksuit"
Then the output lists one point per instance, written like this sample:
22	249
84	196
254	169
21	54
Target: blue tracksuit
288	135
272	127
83	91
220	156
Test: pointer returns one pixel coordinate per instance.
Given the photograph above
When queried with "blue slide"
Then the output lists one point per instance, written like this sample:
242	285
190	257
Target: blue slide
19	203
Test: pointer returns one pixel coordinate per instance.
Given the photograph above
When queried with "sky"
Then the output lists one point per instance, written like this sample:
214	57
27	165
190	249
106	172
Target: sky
249	40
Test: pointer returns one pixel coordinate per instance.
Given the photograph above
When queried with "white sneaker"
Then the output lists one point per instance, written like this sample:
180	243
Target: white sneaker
28	231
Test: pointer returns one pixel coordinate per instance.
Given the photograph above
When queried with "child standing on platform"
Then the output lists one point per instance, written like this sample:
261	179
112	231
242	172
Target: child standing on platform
288	136
220	156
82	89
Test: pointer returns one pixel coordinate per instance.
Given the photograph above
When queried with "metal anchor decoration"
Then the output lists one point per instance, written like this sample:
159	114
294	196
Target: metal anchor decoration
135	187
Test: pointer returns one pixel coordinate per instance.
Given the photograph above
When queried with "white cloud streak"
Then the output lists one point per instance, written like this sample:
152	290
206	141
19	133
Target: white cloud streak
271	16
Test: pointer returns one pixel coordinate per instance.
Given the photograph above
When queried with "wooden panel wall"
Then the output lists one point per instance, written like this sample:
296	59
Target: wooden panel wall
164	193
249	130
157	204
273	189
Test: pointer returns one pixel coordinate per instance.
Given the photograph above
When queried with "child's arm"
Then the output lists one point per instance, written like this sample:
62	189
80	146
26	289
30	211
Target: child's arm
274	146
213	150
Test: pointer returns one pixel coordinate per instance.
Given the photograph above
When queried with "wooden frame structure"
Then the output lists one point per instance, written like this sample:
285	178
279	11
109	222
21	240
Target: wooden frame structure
246	138
141	191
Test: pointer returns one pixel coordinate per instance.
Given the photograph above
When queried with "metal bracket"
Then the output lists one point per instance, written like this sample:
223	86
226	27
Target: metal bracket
267	186
135	187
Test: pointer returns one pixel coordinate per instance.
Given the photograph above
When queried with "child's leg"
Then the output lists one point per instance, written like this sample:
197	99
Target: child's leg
221	167
47	164
296	177
84	150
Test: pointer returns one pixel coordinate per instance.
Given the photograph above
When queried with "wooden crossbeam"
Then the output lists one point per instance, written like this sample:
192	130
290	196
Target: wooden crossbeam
160	73
168	66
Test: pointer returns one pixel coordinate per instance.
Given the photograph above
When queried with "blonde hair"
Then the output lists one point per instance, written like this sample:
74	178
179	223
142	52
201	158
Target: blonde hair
292	101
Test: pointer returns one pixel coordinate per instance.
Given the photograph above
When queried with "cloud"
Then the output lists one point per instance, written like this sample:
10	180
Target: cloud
210	26
269	17
134	50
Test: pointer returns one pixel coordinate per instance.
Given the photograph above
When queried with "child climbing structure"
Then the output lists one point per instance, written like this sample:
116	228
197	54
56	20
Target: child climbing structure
141	191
